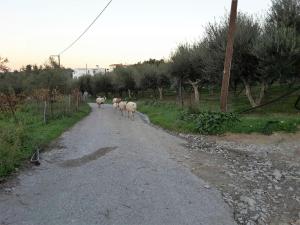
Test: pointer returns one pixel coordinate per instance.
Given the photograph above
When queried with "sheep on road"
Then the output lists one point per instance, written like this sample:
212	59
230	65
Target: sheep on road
131	108
100	101
122	106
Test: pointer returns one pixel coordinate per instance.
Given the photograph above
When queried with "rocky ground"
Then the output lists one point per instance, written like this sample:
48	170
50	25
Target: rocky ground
259	179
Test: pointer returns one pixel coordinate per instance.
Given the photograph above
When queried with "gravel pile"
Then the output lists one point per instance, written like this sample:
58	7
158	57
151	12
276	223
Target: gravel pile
263	185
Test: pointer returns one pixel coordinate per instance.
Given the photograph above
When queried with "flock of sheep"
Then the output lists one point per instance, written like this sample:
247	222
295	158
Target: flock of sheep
123	106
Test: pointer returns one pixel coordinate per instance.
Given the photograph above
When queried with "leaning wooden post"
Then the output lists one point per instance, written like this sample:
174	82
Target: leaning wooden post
228	56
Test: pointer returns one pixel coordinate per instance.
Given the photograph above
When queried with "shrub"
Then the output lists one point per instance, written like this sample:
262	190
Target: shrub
11	140
215	122
275	125
209	122
185	115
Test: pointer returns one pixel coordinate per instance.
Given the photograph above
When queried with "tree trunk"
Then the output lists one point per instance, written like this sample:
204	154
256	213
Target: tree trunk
258	100
180	92
129	93
196	93
45	112
262	93
195	86
248	94
160	90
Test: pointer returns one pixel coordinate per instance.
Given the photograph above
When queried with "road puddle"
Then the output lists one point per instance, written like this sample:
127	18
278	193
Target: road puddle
87	158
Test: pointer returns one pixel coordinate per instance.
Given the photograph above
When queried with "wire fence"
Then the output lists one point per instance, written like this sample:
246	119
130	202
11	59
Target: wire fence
48	104
277	99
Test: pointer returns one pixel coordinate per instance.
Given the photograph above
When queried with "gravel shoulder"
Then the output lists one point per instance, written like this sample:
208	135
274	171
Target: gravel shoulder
258	176
108	169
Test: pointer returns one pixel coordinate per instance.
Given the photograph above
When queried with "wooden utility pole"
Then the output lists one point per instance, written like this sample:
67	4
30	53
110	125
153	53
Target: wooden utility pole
58	57
228	56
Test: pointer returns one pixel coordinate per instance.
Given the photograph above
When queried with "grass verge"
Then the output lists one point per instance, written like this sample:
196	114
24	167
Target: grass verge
169	116
19	140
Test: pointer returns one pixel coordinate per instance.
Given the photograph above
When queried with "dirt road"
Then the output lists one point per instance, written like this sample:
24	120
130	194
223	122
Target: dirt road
111	170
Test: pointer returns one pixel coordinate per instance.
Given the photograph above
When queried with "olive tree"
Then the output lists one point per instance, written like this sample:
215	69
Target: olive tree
246	68
279	46
163	79
124	78
149	77
3	64
102	83
180	67
188	66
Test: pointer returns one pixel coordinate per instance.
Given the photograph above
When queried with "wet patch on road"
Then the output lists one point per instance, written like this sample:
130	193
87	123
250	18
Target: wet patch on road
87	158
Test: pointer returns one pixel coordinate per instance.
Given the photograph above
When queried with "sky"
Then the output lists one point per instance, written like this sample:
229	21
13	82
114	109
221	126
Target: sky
127	32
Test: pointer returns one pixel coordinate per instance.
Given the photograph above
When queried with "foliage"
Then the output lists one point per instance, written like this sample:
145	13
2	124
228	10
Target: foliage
102	83
8	103
19	140
124	78
163	79
267	124
12	139
85	83
32	77
215	122
149	78
279	46
285	13
210	122
3	66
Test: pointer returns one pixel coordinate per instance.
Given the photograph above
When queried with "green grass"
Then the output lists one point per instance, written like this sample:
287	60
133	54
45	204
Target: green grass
19	140
267	124
167	115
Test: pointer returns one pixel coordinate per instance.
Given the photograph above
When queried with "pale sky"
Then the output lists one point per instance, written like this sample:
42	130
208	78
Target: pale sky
127	32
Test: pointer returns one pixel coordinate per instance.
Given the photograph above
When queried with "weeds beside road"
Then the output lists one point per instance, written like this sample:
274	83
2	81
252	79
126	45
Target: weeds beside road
19	140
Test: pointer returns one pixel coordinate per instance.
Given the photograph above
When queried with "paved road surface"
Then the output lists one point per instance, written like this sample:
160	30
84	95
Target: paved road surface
110	170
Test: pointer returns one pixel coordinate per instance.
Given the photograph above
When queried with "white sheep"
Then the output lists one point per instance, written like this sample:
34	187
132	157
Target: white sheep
116	100
131	109
115	105
100	101
122	106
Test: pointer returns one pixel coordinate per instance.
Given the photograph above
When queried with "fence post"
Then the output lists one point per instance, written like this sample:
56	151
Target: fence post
77	101
69	103
45	110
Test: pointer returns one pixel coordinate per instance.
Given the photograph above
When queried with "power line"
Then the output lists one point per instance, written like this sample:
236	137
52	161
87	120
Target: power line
85	29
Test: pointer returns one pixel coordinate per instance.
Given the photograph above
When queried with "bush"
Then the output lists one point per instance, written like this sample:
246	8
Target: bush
11	141
186	116
19	140
215	122
209	122
275	125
